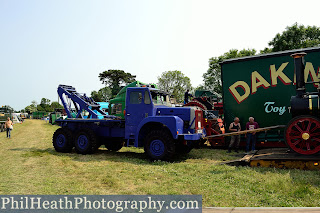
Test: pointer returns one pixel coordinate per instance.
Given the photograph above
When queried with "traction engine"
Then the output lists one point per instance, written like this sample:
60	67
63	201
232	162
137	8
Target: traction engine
212	123
302	133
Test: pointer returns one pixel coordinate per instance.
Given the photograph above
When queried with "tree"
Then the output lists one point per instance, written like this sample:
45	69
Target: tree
55	105
212	78
45	105
102	95
296	37
175	83
40	108
32	107
45	101
114	79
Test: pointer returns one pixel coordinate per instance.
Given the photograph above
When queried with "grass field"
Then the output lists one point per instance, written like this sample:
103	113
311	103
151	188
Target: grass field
30	165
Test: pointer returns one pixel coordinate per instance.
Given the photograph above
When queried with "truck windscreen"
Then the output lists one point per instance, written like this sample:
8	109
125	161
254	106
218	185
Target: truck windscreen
159	98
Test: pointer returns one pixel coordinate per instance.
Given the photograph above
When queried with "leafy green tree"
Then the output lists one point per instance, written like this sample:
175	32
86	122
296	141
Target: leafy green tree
114	79
32	107
45	105
55	105
45	101
175	83
102	95
40	108
296	37
212	78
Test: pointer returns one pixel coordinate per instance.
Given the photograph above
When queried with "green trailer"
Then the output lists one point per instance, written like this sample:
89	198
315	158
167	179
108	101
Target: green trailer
39	115
261	86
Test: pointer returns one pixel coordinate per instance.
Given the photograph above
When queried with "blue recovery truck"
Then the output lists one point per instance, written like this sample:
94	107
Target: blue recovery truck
150	122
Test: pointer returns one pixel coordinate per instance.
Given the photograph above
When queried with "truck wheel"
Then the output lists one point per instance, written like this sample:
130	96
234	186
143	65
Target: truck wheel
86	142
62	140
183	149
114	144
159	145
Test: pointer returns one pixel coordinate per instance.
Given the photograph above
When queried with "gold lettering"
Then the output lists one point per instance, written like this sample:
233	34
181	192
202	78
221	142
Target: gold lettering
314	76
261	82
239	98
275	74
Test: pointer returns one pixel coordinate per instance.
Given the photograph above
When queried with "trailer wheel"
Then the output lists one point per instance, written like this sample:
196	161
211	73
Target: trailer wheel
86	142
302	135
159	145
62	140
114	144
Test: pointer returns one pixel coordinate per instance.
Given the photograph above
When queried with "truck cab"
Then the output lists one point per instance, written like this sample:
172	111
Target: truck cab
149	114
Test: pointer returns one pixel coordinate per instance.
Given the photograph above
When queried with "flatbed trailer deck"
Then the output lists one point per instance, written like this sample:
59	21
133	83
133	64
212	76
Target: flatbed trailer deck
278	158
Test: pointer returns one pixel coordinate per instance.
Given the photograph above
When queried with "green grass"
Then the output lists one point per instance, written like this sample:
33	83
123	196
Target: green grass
30	165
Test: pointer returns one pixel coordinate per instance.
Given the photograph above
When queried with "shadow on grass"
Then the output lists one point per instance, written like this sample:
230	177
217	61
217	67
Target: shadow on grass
133	155
99	156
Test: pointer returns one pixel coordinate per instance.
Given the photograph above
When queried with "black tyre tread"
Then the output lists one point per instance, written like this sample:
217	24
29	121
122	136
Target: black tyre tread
93	142
183	149
68	134
166	138
288	124
114	145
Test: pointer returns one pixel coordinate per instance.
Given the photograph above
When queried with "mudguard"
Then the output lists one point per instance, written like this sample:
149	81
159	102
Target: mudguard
173	123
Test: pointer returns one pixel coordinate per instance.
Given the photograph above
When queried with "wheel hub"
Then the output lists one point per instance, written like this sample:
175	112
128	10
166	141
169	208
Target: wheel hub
305	136
157	147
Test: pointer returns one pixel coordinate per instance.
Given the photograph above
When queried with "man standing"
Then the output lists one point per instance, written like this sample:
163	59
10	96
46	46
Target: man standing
251	125
186	97
234	127
8	125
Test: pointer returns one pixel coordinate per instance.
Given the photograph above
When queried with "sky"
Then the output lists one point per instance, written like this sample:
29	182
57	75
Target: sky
44	43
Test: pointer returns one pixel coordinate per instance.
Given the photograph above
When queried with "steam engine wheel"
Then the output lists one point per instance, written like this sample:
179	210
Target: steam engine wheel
302	135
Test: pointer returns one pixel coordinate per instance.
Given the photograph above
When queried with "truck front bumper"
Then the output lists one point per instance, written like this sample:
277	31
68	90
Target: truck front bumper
192	137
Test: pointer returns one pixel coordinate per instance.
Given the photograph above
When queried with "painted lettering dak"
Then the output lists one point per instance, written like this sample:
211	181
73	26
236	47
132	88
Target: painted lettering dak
276	74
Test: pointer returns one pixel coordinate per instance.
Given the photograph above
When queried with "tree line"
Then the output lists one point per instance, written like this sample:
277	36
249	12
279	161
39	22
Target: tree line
175	82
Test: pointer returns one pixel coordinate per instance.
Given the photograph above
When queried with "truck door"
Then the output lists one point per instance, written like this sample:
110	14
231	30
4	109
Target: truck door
138	107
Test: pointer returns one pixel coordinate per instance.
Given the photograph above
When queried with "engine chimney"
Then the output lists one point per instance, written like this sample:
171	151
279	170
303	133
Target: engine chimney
299	72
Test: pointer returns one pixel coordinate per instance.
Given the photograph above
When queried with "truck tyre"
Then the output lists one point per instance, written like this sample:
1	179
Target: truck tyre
62	140
86	142
159	145
114	144
183	149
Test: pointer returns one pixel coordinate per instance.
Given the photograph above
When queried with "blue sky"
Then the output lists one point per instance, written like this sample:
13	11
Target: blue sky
46	43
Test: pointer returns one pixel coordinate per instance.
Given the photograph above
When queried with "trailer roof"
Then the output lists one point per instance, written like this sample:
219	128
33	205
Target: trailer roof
269	55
